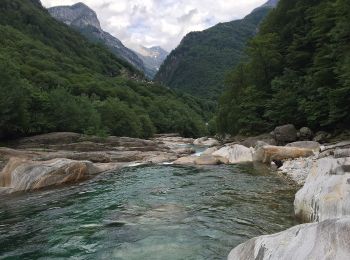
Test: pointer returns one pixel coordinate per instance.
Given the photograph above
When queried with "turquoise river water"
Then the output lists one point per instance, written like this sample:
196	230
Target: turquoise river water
147	212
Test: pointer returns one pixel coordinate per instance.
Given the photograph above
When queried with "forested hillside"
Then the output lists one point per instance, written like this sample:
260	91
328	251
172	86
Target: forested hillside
199	64
52	79
298	71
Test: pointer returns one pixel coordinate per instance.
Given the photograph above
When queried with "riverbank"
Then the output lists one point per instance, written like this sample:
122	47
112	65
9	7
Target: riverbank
322	172
323	201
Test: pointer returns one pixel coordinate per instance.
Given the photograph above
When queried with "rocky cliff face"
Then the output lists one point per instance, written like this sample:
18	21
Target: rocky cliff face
153	58
85	20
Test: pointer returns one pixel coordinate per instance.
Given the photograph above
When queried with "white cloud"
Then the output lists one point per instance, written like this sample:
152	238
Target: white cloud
161	22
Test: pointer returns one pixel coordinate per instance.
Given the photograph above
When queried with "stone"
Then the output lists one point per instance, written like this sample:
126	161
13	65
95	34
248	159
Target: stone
342	153
210	151
51	138
235	154
205	141
188	160
305	134
322	137
269	153
253	141
297	169
315	146
285	134
326	240
207	160
326	192
26	175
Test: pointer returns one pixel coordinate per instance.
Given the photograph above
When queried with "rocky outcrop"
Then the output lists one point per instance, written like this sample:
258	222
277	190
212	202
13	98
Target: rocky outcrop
205	141
84	19
325	240
267	154
235	154
285	134
326	193
26	175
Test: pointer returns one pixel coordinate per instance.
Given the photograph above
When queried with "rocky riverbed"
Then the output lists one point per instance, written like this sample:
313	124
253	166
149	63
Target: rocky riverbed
322	172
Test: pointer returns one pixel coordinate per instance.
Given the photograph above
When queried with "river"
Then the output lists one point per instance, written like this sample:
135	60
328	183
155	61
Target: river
148	212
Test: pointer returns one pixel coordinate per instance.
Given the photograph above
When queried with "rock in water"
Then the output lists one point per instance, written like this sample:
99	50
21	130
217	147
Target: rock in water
269	153
285	134
326	193
207	160
205	141
325	240
26	175
235	154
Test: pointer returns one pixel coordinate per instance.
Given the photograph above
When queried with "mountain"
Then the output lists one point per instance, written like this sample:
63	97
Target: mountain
84	19
199	64
297	72
152	58
52	79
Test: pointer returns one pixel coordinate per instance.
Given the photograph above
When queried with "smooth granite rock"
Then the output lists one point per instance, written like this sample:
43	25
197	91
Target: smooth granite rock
328	240
235	154
326	193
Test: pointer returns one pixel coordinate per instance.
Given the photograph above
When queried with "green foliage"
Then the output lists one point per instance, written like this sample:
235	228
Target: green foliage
297	71
198	66
53	79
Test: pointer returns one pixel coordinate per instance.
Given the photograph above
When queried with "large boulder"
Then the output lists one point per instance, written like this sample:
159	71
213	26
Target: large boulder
315	146
305	134
325	240
269	153
205	141
235	154
285	134
253	141
26	175
326	193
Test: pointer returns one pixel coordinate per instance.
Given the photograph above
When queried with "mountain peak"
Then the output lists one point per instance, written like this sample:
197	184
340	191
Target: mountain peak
271	3
79	15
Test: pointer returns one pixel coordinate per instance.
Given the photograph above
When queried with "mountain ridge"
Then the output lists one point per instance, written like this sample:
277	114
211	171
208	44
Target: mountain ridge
199	64
85	20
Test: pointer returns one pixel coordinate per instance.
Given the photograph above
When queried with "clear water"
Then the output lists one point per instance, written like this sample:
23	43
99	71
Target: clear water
155	212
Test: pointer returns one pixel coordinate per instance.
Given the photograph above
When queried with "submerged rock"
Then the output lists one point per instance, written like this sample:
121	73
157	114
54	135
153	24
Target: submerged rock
267	154
326	193
325	240
235	154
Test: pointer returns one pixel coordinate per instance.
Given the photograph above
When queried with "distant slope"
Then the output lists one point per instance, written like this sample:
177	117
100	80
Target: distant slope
53	79
84	19
199	64
297	72
152	58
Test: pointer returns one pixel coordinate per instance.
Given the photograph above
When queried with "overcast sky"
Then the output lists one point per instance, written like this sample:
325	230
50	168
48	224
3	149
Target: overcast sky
161	22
